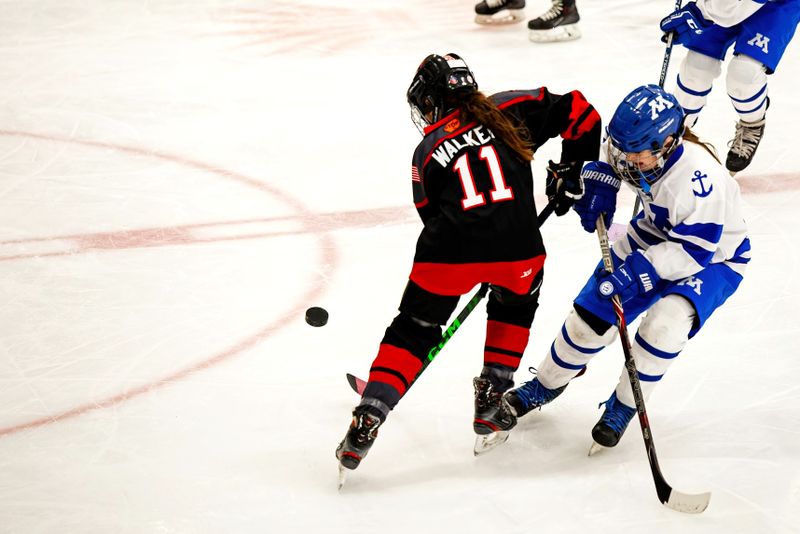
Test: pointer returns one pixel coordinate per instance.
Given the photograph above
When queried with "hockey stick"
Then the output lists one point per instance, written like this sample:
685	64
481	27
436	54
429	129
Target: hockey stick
661	80
358	384
681	502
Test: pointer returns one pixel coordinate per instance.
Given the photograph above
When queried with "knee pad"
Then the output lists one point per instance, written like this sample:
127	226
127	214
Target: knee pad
592	333
661	337
698	71
695	79
509	307
746	77
668	323
415	336
747	87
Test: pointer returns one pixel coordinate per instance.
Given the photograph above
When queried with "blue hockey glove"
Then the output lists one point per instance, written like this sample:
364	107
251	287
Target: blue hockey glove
634	277
684	23
601	185
564	184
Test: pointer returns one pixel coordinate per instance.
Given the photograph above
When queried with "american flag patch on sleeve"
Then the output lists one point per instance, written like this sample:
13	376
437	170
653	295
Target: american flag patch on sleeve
415	174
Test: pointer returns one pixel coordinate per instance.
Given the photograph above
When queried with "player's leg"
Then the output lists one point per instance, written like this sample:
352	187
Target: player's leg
401	354
559	23
499	11
684	308
509	320
661	336
759	47
695	80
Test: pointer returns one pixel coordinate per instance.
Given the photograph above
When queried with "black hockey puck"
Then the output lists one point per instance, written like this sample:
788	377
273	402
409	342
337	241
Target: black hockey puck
316	316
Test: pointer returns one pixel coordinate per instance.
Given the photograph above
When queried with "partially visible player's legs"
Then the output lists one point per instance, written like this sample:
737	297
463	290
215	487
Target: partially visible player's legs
559	23
662	335
760	45
695	79
581	337
509	320
747	89
404	348
499	11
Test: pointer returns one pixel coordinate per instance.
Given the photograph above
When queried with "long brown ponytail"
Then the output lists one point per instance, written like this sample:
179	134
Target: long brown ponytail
689	135
477	107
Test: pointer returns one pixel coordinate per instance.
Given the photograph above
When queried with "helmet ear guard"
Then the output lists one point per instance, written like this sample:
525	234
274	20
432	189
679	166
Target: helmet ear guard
646	118
436	84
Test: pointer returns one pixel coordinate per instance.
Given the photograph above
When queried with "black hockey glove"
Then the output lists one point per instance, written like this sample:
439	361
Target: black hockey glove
564	184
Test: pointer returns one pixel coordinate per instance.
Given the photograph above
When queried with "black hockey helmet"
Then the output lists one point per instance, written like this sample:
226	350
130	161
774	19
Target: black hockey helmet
437	83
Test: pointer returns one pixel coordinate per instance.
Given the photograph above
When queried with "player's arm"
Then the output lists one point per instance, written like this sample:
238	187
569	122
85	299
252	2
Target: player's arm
575	120
422	181
571	117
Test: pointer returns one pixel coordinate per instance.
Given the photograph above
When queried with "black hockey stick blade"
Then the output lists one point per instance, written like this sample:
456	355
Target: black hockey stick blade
356	383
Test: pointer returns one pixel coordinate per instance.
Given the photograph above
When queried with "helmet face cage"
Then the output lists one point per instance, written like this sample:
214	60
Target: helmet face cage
437	79
644	121
629	170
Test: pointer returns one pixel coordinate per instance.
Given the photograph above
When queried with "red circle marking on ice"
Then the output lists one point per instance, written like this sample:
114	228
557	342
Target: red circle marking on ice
326	246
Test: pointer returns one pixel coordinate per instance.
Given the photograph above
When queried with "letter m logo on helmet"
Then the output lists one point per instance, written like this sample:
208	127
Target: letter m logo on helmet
658	105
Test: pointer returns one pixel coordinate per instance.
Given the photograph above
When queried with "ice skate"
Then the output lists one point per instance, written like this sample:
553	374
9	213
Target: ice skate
609	429
529	396
559	23
744	144
492	12
492	418
358	440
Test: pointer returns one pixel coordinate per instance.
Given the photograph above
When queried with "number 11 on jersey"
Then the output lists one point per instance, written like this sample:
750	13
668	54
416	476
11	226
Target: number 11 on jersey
472	197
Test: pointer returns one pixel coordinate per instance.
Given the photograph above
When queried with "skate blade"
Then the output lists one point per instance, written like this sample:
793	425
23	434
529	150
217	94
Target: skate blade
555	35
342	477
486	442
596	448
501	18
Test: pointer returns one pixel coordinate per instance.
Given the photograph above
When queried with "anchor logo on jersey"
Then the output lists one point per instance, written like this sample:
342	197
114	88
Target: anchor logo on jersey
699	177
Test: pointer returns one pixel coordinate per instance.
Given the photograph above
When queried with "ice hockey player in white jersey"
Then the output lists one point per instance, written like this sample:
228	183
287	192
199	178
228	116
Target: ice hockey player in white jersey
559	23
684	254
759	31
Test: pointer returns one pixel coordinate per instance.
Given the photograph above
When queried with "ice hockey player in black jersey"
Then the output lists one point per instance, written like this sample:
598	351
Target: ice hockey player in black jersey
473	189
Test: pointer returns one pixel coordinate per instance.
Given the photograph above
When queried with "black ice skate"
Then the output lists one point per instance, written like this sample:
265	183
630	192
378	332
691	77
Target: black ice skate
492	420
358	440
609	429
744	144
559	23
529	396
499	11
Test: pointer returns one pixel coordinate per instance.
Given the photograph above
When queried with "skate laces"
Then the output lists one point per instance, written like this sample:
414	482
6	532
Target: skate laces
617	415
554	11
534	394
485	395
495	3
746	138
365	427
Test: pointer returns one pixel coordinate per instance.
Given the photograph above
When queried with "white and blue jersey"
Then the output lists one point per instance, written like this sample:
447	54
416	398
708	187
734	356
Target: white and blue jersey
760	29
692	231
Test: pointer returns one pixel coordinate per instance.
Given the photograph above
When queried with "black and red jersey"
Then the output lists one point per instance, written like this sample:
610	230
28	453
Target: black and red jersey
475	195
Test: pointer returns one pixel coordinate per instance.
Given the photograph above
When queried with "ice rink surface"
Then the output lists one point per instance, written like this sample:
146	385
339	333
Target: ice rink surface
180	180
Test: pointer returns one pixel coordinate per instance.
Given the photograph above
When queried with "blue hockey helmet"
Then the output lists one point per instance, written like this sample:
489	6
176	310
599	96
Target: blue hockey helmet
643	121
438	82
